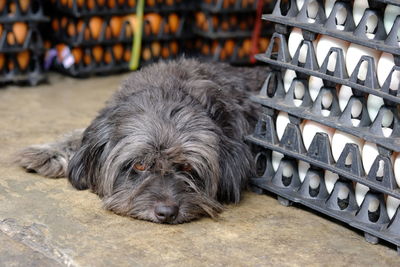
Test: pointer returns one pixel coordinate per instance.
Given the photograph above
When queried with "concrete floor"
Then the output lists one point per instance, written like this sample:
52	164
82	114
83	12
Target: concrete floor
44	222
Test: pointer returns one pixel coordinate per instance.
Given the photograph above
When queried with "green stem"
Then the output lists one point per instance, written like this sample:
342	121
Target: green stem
137	37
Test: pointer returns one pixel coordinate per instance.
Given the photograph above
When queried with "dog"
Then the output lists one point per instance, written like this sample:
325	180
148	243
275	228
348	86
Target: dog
168	147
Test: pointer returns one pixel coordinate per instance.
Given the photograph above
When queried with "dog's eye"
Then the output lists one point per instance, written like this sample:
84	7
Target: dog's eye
140	167
186	167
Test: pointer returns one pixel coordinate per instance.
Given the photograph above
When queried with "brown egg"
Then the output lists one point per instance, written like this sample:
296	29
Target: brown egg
10	65
215	22
1	28
165	52
246	46
87	58
79	27
70	3
154	21
116	25
101	2
55	24
77	53
226	4
60	48
169	2
71	29
127	54
20	30
173	22
91	4
12	10
87	34
146	54
156	49
240	53
23	59
24	4
224	25
64	21
107	57
97	52
47	44
205	49
2	4
95	25
229	47
64	2
118	51
112	3
173	47
80	3
263	44
131	27
108	33
2	61
214	47
201	19
131	3
150	2
222	54
233	21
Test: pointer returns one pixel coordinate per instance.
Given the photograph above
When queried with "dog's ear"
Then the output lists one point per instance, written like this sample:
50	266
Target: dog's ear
84	167
236	167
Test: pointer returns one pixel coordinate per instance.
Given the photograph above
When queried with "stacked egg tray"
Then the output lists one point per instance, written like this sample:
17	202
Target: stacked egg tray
312	189
95	37
21	43
225	28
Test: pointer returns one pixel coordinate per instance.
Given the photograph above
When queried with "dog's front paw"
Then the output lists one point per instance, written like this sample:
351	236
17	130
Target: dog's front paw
44	160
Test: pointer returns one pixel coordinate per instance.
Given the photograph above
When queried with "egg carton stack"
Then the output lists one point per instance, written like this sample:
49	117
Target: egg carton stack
95	37
329	133
225	28
21	44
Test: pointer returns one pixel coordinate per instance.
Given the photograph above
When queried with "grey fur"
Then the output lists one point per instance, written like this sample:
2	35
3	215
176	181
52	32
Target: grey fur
163	116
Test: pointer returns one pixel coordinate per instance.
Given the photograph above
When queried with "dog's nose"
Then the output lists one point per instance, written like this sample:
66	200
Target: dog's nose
166	213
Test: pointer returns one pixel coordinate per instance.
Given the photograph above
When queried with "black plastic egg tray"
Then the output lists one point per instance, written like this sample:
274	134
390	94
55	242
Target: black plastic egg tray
85	37
32	75
273	98
100	67
224	6
33	17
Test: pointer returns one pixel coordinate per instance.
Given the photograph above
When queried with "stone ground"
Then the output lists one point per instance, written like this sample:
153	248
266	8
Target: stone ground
44	222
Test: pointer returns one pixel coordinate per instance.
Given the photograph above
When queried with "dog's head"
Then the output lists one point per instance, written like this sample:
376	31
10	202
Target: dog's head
152	157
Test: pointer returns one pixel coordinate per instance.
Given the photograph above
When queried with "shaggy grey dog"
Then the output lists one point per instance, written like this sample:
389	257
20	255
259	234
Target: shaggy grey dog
169	145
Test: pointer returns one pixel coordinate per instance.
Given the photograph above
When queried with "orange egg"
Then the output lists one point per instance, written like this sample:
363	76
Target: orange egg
2	61
173	22
71	30
263	44
229	47
70	3
173	47
64	21
240	53
146	54
214	22
2	4
165	52
47	44
107	57
131	3
112	3
224	25
79	27
23	59
1	28
150	2
95	25
55	24
127	54
12	9
116	25
91	4
20	30
77	53
246	46
156	49
205	49
10	65
118	51
97	52
24	4
154	21
200	19
131	27
108	33
60	48
87	59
